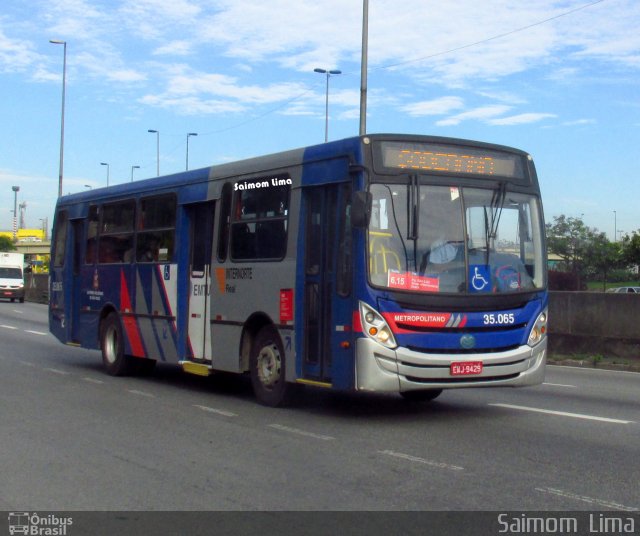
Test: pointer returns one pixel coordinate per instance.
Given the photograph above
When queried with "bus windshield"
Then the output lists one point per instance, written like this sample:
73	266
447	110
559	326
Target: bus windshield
450	239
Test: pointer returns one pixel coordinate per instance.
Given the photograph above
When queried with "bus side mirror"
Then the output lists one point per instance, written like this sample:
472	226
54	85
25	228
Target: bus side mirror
361	209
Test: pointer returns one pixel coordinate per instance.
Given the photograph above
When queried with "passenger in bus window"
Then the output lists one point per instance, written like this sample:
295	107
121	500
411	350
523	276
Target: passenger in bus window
148	249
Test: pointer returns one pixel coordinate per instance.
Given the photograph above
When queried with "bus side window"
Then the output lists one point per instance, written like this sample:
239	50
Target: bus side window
116	237
156	229
92	235
259	220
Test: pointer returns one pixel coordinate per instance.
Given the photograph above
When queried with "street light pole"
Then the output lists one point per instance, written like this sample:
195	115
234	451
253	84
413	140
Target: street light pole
105	164
64	84
615	226
157	133
132	168
363	67
188	135
15	189
326	107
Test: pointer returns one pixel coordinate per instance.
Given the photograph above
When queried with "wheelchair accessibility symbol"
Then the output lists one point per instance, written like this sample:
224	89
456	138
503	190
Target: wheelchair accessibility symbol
479	278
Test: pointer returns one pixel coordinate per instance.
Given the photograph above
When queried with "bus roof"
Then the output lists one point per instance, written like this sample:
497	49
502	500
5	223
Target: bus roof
265	163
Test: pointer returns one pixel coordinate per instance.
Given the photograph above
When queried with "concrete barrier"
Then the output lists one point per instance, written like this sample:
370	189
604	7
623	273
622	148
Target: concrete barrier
594	323
36	288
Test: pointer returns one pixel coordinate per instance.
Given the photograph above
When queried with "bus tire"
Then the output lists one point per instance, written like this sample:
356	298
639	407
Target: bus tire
116	363
421	396
267	369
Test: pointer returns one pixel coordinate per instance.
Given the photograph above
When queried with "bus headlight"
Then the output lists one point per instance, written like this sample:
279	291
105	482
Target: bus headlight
539	329
376	327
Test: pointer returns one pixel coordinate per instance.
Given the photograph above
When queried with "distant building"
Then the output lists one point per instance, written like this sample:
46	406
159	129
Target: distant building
26	235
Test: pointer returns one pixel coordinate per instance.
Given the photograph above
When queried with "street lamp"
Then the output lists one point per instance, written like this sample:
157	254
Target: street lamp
188	135
157	149
326	111
15	189
64	83
132	168
105	164
363	67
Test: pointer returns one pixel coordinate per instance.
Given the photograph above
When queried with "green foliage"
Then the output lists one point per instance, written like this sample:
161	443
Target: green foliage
630	246
6	244
589	254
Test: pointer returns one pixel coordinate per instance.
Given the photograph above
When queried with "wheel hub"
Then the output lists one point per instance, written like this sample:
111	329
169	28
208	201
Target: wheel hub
269	365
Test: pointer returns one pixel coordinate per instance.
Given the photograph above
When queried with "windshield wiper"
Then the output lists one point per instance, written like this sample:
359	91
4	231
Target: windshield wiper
413	200
492	220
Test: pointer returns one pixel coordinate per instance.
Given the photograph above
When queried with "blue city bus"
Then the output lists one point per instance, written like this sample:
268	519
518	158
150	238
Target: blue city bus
380	263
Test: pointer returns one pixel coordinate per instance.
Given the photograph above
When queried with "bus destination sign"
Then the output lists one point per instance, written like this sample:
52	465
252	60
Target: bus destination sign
451	159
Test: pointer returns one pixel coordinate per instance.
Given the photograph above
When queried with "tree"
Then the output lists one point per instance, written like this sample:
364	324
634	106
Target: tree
6	244
585	250
568	237
631	249
602	256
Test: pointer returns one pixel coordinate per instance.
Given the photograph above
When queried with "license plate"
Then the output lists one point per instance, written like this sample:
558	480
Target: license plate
466	368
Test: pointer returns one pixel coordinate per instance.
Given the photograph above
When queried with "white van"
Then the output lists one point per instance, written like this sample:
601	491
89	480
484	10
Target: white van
12	276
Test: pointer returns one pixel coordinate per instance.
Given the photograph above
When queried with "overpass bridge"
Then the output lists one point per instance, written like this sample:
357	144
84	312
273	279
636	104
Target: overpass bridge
33	248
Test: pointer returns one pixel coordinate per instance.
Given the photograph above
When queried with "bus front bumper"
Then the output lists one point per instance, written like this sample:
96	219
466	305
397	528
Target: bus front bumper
383	370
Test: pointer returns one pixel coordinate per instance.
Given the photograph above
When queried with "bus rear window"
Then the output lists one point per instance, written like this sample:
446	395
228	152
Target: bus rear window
60	239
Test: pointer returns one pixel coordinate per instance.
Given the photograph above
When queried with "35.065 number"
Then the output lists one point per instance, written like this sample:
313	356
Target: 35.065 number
501	318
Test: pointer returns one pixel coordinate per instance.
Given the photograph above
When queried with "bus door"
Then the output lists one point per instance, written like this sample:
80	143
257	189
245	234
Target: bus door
199	321
327	281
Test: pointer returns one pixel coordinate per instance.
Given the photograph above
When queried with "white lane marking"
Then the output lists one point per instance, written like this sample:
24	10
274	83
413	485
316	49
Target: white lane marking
7	327
432	463
93	380
564	414
19	311
300	432
35	332
26	363
216	411
57	371
590	500
594	369
560	385
141	393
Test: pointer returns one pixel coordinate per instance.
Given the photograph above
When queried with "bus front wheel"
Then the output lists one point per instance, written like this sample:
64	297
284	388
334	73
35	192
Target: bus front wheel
267	364
115	361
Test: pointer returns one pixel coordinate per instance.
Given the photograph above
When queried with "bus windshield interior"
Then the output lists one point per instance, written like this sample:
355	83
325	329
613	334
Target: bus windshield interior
449	239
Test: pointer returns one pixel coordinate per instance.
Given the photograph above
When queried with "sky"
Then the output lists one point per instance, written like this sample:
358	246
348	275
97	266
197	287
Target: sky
559	79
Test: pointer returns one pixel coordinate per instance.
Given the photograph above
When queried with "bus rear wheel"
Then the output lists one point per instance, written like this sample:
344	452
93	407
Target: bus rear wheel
115	361
267	369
